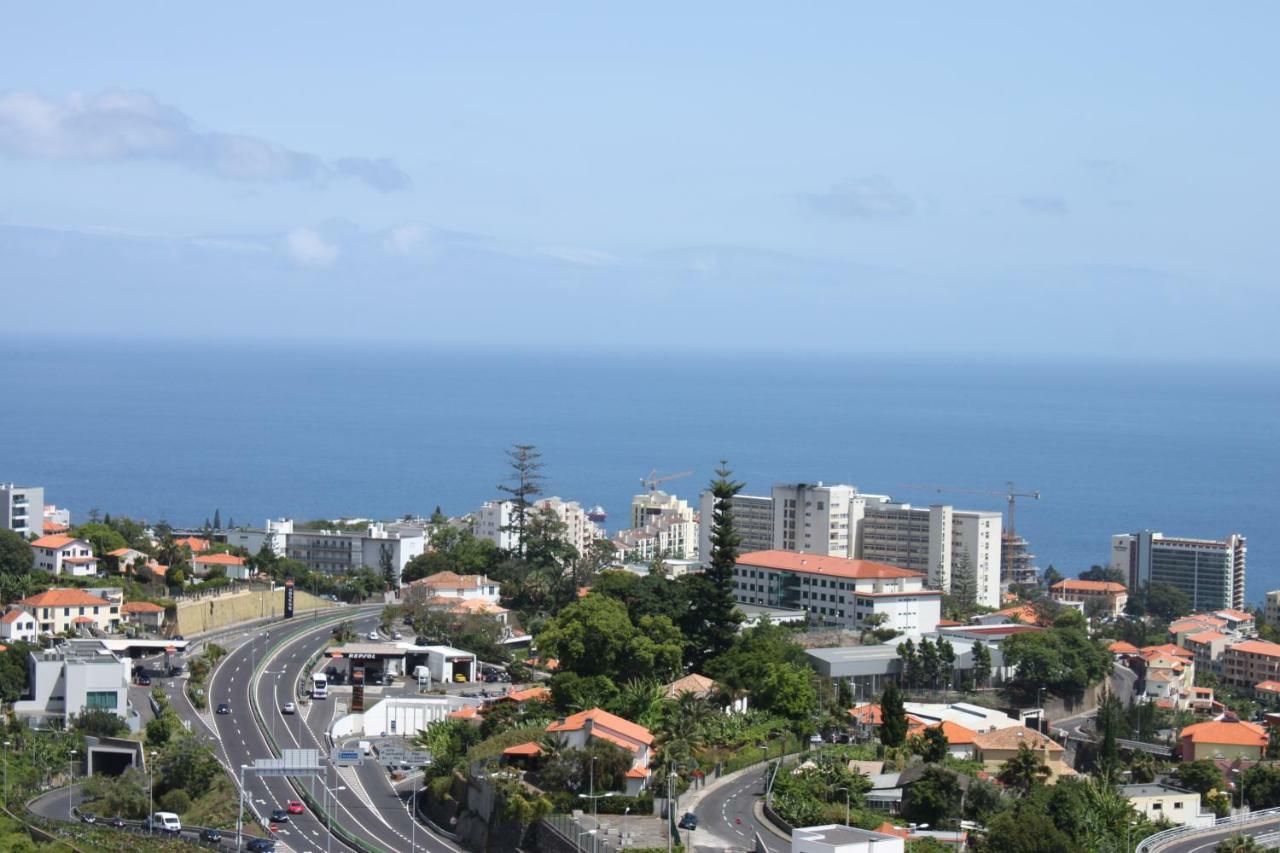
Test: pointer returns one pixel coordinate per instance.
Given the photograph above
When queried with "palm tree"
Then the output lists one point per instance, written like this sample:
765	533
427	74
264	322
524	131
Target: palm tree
1142	767
1238	844
1024	771
638	698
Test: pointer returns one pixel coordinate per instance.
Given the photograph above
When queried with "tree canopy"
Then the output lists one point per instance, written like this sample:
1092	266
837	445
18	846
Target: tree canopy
595	636
15	553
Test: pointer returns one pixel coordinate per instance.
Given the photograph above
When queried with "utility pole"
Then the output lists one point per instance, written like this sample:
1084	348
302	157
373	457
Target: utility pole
6	774
71	771
151	796
240	816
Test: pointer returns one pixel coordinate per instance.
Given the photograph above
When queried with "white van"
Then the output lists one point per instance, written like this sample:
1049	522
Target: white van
365	747
166	822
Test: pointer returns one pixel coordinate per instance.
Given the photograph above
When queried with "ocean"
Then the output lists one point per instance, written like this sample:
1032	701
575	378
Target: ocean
174	431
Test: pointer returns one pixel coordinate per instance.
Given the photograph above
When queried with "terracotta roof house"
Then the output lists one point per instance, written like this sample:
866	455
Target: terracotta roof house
867	715
61	553
996	747
18	625
529	694
1120	647
1108	597
56	610
579	729
698	685
232	566
193	543
1229	737
143	613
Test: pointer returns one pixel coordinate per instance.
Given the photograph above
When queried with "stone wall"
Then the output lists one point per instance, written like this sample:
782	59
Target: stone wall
207	614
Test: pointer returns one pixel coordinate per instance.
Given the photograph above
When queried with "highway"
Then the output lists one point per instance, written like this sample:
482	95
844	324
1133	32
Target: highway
727	815
1204	842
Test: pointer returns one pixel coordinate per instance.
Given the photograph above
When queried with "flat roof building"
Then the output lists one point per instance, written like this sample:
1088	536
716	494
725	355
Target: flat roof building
74	676
1210	571
22	509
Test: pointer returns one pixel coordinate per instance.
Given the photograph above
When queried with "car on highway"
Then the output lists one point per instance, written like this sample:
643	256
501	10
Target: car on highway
288	708
211	835
279	816
397	636
144	680
689	821
373	635
163	821
88	817
224	708
116	822
294	807
260	845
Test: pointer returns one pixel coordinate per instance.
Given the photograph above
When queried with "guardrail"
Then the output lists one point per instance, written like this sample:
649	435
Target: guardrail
1153	843
336	828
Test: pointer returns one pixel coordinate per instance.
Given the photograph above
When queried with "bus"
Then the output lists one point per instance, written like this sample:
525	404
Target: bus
319	686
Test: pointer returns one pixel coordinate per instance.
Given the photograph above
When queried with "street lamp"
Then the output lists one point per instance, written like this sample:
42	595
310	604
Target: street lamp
846	804
6	774
577	841
71	771
151	797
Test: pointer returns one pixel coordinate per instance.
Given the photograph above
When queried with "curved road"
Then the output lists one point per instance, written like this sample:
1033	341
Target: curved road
727	813
1204	842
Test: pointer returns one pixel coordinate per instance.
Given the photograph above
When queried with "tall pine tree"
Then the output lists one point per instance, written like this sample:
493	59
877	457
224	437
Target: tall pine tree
893	716
715	615
525	484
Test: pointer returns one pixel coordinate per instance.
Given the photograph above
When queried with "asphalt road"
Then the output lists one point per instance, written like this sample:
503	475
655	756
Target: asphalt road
726	816
1209	839
53	806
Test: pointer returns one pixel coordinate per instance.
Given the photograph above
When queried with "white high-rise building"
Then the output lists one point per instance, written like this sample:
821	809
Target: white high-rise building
752	521
22	509
647	507
495	521
669	535
839	521
1209	571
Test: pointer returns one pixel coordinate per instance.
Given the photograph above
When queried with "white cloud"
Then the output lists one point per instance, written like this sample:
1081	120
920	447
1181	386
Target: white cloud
122	124
405	239
584	257
307	248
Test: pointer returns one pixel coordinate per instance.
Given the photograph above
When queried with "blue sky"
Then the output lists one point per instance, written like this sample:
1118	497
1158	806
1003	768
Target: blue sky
901	178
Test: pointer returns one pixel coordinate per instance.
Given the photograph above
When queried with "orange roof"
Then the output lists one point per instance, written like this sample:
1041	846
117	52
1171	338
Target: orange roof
1025	613
813	564
54	527
1208	691
638	773
83	620
1187	623
1206	637
13	616
53	541
1268	686
584	591
1070	585
1120	647
1256	647
1233	733
527	695
691	683
1013	737
468	713
867	715
220	559
1236	615
1164	703
141	607
887	828
195	543
453	580
956	733
64	598
528	748
949	623
599	717
120	552
1170	650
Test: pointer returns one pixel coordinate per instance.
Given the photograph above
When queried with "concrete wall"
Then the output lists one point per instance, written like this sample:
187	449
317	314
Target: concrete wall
206	614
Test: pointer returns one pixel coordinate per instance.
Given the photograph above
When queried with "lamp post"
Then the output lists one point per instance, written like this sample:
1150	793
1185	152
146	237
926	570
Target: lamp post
1040	707
6	774
151	795
577	841
240	814
71	772
595	815
846	804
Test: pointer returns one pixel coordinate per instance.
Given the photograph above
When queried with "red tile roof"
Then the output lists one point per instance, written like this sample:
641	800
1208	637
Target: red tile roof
600	717
1070	585
54	527
868	715
1230	732
83	620
195	543
1206	637
141	607
1168	650
1256	647
527	695
528	748
219	559
1236	615
1268	686
64	598
792	561
1013	737
453	580
13	616
53	542
1120	647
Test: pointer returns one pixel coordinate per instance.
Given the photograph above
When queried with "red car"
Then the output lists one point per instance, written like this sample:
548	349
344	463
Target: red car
294	806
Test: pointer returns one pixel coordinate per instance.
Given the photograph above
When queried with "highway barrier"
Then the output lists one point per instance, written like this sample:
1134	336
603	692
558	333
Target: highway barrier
1157	842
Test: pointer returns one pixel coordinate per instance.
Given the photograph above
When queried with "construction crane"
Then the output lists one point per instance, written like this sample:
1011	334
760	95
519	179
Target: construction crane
1011	495
653	480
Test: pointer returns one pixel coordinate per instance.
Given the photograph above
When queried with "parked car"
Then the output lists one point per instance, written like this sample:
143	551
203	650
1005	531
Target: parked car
373	635
460	678
210	835
224	708
689	821
116	822
144	680
260	845
88	817
294	806
289	708
397	636
279	816
166	822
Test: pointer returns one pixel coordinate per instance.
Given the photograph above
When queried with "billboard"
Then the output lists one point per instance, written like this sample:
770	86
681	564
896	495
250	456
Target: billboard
288	598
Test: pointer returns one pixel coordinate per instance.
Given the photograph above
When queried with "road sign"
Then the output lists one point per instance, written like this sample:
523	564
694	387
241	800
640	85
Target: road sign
346	757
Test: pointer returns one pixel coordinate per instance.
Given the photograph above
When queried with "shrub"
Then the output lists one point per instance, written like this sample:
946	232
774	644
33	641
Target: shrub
177	800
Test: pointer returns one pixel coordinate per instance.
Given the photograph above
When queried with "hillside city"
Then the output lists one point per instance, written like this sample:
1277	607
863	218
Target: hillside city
813	669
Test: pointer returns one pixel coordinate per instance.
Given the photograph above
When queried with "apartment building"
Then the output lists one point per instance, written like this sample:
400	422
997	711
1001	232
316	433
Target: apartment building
74	676
64	554
941	541
495	521
1210	571
56	610
1103	598
1272	607
336	551
649	506
1251	662
752	521
668	535
837	591
22	509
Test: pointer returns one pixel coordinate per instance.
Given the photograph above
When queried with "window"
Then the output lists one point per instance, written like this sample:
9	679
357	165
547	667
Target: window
96	700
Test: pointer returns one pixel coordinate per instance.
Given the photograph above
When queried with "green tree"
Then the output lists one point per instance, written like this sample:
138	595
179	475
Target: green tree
1024	771
1262	786
15	554
1238	844
124	795
893	716
99	722
1200	776
571	692
787	690
1062	658
217	519
103	537
1166	601
1104	573
1023	829
932	745
595	636
524	484
453	549
910	662
714	613
964	588
981	663
930	665
934	798
387	566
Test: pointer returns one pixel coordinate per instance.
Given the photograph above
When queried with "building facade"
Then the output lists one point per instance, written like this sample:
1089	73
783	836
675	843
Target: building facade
64	554
649	506
336	552
1248	663
752	521
22	509
17	625
667	535
1210	571
57	610
495	521
1101	598
837	591
75	676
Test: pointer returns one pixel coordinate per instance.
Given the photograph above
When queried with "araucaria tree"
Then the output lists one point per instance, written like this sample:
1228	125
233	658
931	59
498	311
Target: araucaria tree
715	617
893	716
525	484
